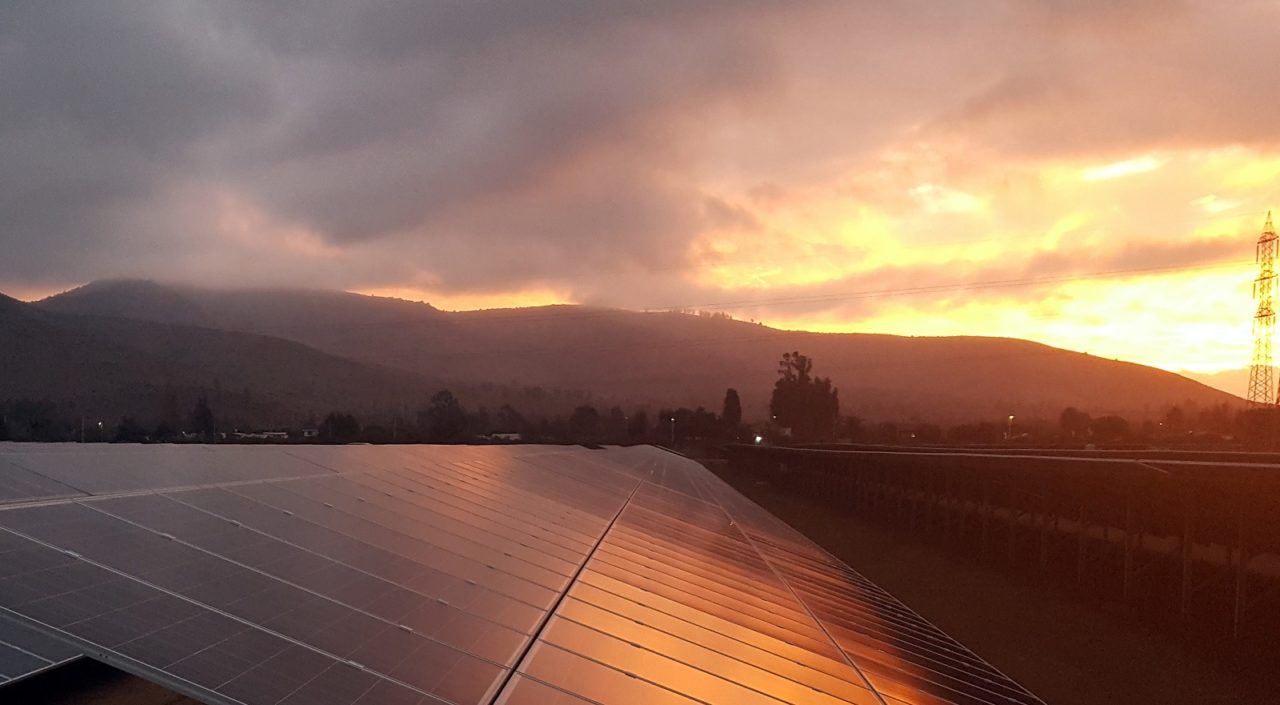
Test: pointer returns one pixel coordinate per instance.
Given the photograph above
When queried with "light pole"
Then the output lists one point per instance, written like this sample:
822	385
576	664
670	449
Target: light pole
1008	435
673	430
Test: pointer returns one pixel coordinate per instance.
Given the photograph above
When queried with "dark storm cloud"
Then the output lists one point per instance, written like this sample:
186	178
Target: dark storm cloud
584	146
103	103
1094	76
491	140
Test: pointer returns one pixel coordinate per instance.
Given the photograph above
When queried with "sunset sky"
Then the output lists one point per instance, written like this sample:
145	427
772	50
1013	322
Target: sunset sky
1087	173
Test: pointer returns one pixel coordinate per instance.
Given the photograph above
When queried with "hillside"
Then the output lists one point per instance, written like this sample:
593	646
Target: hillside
665	358
106	367
1234	381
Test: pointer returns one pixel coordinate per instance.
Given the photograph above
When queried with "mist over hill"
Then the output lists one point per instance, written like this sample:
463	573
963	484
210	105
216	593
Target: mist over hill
106	367
1232	381
656	358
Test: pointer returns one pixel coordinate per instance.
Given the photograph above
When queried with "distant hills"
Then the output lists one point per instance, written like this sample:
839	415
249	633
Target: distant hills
1234	381
106	367
321	348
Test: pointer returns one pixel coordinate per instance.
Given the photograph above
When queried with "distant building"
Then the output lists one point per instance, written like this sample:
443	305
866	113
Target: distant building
261	435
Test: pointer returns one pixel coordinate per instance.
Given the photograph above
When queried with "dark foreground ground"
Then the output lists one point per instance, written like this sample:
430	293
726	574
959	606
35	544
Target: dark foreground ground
1062	650
88	682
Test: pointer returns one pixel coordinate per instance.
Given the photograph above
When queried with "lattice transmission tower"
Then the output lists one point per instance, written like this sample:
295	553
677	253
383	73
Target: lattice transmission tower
1262	390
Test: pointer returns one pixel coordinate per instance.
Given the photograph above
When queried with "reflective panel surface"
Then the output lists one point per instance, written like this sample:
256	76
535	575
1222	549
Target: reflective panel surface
519	575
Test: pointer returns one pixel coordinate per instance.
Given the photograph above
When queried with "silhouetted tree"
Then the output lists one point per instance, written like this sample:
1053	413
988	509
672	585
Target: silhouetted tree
202	420
130	431
704	424
615	426
171	414
638	427
1175	422
339	428
508	420
445	420
479	423
887	432
851	428
1259	427
1217	419
1074	423
808	405
552	429
984	432
584	422
731	414
927	433
1109	428
34	420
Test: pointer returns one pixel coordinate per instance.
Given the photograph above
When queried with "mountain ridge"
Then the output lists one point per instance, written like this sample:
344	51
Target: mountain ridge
108	367
666	358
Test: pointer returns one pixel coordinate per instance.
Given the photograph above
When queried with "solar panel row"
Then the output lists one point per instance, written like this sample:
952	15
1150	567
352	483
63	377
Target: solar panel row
393	574
735	598
24	651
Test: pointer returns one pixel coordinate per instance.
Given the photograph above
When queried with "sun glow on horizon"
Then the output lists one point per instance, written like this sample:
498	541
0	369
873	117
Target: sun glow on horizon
469	302
818	258
853	253
1126	167
1173	251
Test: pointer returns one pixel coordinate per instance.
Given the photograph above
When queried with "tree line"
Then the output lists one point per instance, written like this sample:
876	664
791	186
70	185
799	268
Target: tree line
441	419
803	408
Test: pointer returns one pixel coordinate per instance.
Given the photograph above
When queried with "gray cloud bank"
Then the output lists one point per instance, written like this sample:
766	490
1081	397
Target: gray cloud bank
478	146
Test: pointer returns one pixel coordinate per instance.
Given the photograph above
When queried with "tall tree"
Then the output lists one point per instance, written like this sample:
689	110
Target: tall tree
1109	428
445	420
614	426
808	405
509	420
35	420
130	431
171	412
584	422
479	423
339	428
732	412
1074	422
638	427
202	420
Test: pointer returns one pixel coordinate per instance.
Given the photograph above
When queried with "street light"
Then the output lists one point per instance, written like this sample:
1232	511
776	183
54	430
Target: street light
1008	435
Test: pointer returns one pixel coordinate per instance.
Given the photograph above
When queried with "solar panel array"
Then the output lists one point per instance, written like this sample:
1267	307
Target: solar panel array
519	575
25	651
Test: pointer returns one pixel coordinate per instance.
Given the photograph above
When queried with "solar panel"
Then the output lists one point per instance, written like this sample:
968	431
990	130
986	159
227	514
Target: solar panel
19	483
419	574
25	651
103	469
